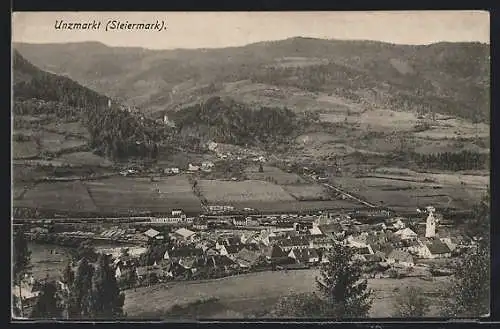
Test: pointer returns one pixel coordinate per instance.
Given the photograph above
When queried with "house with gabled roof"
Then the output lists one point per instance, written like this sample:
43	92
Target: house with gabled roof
435	248
247	258
184	234
177	253
152	233
400	257
231	250
406	234
294	242
304	256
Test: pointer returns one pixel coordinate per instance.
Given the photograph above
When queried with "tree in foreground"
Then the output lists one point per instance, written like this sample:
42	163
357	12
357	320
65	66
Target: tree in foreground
106	298
16	309
469	295
20	263
48	304
341	285
342	293
79	301
411	303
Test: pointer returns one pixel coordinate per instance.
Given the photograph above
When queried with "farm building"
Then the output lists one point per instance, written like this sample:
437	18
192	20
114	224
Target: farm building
193	168
200	224
395	223
212	146
182	252
240	221
406	234
185	234
322	242
247	258
277	255
305	256
171	171
177	212
207	165
219	208
295	242
231	251
152	233
227	241
400	257
435	249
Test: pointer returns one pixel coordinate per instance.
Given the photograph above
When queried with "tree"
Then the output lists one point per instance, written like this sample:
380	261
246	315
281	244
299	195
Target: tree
48	304
341	285
85	250
106	299
469	295
79	304
261	169
16	310
20	262
411	303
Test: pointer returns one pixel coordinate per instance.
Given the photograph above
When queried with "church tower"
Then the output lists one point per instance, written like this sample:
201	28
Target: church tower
430	226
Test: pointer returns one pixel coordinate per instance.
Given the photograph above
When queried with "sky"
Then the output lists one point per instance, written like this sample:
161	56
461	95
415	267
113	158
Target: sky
226	29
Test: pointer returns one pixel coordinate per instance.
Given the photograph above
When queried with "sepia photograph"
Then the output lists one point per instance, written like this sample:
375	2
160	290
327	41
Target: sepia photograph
190	166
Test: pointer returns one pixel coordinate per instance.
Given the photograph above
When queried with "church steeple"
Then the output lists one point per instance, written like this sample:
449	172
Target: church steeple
430	226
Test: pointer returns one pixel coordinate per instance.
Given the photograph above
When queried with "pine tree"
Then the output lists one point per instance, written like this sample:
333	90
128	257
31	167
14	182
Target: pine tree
79	304
106	299
48	304
341	285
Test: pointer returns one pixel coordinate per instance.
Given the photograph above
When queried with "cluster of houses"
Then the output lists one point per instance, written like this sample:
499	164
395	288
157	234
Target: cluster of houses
233	152
196	253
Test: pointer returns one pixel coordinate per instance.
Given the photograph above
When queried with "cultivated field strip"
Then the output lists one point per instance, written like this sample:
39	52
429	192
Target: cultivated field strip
250	190
63	196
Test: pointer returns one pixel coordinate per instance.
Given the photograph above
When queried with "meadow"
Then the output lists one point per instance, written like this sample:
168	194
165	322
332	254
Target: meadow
273	174
218	191
122	193
63	196
254	294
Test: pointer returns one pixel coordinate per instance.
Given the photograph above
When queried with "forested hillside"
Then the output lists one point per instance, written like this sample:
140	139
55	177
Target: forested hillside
113	130
226	121
447	78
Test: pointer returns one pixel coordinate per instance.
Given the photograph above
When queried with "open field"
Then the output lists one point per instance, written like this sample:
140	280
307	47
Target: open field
21	150
74	128
309	192
64	196
216	191
122	193
84	158
21	172
255	293
399	191
277	175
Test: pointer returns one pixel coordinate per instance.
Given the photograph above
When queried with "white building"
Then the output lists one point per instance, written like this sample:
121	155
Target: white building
406	234
430	225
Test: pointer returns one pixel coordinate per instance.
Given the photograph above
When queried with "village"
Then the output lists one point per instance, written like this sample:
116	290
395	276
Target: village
179	248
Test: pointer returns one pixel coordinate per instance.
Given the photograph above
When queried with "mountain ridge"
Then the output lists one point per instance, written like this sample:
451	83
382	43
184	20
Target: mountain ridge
450	77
